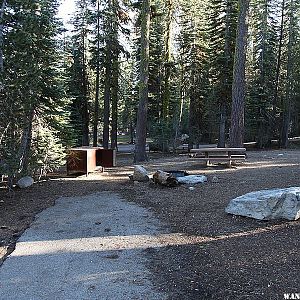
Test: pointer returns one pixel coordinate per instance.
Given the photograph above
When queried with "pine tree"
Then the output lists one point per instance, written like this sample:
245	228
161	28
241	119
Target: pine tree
193	54
78	73
32	84
263	68
290	82
141	124
97	66
238	85
222	35
1	39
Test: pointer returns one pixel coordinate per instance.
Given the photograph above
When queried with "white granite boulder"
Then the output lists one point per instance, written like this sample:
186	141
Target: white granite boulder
268	204
139	174
192	179
25	182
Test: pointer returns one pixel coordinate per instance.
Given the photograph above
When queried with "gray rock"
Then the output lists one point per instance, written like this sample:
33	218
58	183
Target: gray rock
215	179
139	174
25	182
268	204
192	179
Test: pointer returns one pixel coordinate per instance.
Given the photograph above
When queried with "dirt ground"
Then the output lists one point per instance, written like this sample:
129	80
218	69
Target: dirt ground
239	258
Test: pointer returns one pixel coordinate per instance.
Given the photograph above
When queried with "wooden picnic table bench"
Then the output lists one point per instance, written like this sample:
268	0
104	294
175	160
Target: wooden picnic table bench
227	155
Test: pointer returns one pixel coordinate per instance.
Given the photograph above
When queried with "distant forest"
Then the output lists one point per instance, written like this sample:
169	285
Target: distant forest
214	71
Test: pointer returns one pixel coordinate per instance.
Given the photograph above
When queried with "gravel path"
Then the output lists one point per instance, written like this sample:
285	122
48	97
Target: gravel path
89	247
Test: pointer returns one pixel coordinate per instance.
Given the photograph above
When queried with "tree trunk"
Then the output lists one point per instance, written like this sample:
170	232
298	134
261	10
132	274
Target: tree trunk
179	113
167	61
85	109
1	43
114	104
131	129
24	150
238	85
141	126
264	134
1	35
225	86
222	125
289	86
115	77
96	110
106	109
192	115
280	46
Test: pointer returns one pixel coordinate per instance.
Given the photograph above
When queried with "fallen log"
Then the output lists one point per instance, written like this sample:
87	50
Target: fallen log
165	179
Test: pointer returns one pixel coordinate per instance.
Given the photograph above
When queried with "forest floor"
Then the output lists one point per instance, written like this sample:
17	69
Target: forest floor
239	258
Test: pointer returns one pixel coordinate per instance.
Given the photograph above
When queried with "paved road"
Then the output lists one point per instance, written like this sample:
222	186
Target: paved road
83	248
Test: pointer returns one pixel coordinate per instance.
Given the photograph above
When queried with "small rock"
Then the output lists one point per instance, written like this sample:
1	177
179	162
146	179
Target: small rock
215	179
91	288
107	229
25	182
191	188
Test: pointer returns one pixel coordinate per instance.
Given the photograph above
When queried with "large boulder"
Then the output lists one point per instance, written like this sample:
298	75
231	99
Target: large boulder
268	204
139	174
25	182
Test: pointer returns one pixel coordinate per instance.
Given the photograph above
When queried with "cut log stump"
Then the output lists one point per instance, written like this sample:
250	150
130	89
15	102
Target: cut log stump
165	179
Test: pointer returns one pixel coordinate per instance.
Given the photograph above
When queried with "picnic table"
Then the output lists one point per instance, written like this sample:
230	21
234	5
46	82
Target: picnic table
227	155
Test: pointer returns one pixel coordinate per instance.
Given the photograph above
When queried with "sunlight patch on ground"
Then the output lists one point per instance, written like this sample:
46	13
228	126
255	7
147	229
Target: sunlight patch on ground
264	165
110	243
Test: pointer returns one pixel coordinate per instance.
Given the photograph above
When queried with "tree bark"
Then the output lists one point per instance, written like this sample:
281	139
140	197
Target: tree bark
290	80
238	85
114	103
115	78
1	35
192	113
141	126
226	94
1	43
222	125
96	109
85	109
106	109
24	150
280	46
108	78
167	61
